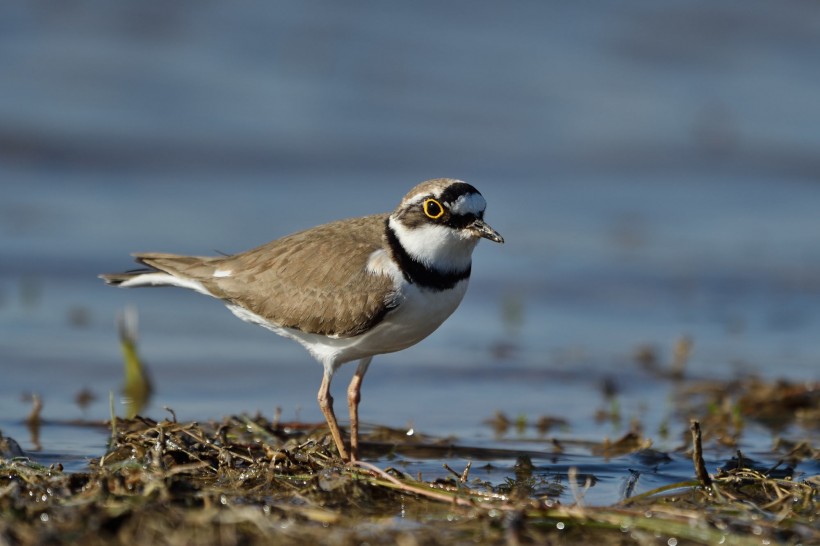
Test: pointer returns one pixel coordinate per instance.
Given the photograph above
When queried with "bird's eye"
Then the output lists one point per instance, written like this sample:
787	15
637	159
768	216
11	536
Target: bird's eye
433	209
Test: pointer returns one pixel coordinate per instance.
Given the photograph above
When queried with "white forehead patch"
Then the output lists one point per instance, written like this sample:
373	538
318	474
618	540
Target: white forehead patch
435	192
415	199
469	203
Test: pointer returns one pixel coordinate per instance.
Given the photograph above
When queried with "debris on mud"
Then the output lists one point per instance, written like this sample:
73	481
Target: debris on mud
245	480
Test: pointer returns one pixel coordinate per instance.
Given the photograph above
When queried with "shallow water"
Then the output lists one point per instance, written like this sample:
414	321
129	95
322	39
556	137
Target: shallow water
653	171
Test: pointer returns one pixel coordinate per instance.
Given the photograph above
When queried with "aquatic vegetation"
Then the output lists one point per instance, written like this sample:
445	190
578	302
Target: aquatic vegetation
137	387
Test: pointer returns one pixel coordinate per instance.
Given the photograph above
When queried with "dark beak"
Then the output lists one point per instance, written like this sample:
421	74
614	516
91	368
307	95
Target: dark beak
480	228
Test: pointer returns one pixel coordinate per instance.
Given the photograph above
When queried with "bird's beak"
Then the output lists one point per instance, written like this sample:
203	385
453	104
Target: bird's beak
480	228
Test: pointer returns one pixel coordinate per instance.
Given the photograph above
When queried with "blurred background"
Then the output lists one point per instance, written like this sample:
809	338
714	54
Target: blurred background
653	168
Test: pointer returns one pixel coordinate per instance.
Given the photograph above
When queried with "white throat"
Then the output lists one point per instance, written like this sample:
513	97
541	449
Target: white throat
437	247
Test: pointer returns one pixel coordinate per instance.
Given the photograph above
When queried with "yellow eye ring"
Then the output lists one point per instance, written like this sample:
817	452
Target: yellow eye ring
433	209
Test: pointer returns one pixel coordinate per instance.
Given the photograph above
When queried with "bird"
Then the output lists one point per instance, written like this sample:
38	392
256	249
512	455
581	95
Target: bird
346	290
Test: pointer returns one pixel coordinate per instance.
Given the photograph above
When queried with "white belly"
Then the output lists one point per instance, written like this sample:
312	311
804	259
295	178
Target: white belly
418	316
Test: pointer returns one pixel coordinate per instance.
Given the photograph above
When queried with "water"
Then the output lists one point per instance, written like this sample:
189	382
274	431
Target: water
653	170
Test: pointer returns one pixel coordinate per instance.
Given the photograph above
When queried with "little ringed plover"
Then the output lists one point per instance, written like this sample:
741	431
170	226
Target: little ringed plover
347	290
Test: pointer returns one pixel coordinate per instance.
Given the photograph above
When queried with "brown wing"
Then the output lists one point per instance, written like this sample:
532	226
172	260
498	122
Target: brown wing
314	280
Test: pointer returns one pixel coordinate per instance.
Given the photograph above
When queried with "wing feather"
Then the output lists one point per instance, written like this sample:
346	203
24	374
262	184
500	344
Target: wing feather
300	281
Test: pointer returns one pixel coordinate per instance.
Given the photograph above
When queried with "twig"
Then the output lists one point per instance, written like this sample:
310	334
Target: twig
113	416
768	473
697	455
451	471
631	482
462	478
658	490
466	472
453	499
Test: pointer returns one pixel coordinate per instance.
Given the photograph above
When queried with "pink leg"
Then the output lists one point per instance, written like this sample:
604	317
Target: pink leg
353	397
326	404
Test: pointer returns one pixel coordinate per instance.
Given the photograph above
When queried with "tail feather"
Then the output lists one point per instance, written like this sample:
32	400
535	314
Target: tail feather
165	270
116	279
